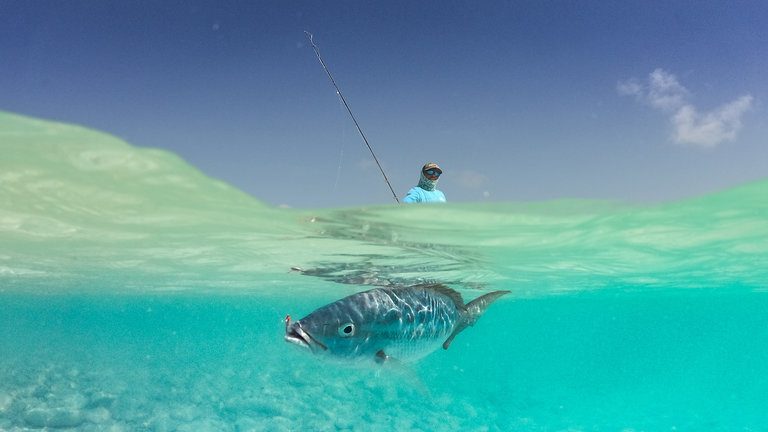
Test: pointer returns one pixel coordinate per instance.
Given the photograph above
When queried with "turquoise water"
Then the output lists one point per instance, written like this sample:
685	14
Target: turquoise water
138	294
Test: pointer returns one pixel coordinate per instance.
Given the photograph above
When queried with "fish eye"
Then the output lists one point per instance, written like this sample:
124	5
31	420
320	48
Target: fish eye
347	330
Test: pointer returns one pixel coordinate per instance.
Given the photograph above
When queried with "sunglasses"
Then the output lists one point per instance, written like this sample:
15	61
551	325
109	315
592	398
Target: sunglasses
433	172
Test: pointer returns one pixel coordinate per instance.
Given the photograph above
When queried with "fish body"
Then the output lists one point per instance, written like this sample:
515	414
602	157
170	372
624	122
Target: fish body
388	323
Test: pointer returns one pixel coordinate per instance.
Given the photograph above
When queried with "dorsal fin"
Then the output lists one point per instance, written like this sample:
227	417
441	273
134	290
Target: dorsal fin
454	295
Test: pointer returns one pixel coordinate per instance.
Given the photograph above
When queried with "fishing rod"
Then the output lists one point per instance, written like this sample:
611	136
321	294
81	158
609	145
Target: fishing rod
341	96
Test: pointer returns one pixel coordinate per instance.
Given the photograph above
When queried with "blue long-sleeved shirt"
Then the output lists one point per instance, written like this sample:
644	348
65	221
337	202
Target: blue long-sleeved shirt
419	195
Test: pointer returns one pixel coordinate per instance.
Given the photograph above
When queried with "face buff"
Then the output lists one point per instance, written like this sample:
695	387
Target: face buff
426	183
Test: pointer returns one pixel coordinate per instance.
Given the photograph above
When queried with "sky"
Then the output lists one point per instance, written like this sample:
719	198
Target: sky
635	101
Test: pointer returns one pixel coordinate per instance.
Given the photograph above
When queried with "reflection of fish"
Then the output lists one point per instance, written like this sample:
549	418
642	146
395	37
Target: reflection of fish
382	323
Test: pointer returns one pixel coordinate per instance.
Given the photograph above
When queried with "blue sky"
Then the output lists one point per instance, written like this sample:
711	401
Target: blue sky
517	101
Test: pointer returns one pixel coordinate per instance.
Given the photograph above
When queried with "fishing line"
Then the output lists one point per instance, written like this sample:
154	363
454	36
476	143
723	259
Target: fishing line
341	147
341	96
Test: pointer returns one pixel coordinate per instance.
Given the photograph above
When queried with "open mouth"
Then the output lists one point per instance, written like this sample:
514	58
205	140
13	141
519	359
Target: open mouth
296	335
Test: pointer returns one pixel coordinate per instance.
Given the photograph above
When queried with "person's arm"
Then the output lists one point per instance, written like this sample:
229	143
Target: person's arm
412	196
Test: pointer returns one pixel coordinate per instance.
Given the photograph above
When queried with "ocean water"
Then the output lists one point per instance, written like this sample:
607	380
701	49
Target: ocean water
138	294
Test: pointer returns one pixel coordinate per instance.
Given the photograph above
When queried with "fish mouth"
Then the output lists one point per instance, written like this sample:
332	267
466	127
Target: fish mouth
298	336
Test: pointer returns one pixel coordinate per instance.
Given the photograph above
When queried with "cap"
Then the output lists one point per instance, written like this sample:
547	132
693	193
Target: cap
431	165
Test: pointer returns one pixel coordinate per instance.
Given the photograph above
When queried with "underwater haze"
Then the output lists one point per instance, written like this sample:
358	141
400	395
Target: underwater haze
137	294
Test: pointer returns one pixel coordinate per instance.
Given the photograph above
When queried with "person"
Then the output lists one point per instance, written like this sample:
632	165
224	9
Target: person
425	191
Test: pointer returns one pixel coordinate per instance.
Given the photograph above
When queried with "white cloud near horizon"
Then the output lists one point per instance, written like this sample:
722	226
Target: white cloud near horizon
664	92
472	179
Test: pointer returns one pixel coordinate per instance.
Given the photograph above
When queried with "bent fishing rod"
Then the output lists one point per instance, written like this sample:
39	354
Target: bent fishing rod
341	96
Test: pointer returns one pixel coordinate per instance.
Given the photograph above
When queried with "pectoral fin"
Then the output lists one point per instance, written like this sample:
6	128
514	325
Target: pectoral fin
392	367
381	357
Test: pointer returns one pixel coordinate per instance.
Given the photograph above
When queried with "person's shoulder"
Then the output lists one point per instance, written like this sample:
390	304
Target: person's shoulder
414	195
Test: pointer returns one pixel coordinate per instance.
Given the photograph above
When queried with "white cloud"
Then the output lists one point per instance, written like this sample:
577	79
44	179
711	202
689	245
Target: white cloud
710	129
630	88
664	92
472	179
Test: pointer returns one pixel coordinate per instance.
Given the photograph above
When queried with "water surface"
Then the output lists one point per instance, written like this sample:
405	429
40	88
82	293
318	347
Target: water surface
138	294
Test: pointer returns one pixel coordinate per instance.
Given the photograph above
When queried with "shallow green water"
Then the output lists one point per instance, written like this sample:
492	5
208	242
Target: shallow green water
137	294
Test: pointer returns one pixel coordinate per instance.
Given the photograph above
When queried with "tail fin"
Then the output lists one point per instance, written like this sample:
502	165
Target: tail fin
473	311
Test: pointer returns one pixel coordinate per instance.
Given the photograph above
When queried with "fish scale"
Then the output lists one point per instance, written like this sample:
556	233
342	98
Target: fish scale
427	319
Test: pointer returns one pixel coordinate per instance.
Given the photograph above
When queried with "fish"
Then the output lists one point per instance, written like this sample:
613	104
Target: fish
385	324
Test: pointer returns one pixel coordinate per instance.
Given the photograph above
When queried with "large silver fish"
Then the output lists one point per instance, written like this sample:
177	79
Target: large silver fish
388	323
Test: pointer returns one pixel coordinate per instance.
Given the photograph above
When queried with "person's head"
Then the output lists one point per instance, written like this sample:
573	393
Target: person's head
430	173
